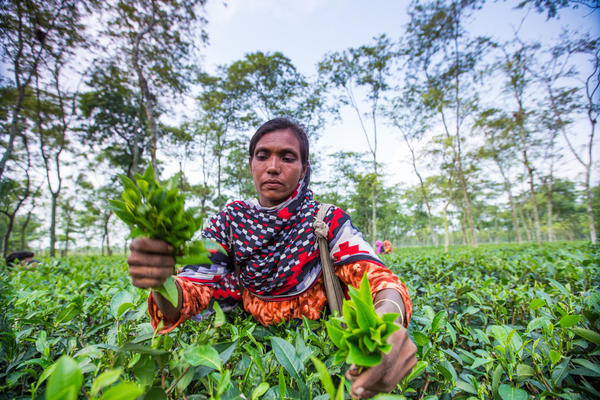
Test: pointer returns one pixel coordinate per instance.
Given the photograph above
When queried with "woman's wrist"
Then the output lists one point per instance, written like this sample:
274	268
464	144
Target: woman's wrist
390	301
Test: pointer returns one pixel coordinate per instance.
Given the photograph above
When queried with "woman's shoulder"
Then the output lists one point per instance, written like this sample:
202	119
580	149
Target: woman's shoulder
334	214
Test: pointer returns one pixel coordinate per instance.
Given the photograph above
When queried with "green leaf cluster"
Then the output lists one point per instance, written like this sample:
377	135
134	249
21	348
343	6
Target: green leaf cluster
365	335
156	210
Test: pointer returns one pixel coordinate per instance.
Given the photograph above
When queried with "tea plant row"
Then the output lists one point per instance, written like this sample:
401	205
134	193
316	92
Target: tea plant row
504	322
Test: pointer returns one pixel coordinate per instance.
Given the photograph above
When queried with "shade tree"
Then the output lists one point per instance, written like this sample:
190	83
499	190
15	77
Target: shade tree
359	78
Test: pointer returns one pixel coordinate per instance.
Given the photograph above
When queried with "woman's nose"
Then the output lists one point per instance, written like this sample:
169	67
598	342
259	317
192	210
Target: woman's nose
273	166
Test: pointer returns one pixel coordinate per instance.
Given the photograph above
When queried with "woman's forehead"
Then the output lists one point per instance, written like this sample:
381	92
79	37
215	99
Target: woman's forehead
278	140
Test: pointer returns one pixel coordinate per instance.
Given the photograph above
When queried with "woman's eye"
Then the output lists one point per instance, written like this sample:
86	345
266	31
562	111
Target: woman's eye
261	157
288	159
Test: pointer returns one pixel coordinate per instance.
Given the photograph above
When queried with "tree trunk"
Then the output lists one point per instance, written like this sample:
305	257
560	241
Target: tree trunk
53	225
13	131
589	210
446	233
529	168
24	230
511	200
423	192
106	233
9	227
549	205
147	96
463	229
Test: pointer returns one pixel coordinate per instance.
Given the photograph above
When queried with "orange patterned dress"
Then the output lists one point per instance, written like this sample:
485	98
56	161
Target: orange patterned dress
196	297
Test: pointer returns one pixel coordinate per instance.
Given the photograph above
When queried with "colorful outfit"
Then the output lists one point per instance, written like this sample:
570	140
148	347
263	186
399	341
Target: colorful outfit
387	247
279	265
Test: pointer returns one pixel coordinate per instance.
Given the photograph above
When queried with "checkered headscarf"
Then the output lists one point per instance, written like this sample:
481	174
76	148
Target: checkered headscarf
276	247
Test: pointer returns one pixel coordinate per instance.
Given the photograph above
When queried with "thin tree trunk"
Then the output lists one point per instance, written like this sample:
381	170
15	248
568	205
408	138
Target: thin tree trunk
549	185
67	235
106	233
511	200
53	224
446	233
534	207
461	175
24	230
9	227
147	96
423	192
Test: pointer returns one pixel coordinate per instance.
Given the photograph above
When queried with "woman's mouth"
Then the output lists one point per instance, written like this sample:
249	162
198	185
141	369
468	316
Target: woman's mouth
272	183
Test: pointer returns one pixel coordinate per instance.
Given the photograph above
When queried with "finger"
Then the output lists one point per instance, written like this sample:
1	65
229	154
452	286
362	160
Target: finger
367	380
352	373
148	245
149	272
137	258
146	283
363	393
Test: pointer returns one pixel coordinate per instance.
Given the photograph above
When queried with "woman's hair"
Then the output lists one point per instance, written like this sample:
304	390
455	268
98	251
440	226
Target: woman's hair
17	256
282	124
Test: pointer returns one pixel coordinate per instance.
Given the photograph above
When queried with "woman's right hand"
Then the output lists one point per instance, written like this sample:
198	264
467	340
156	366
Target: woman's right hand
151	262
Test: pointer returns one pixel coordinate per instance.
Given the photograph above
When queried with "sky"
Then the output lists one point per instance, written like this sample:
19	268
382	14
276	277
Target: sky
306	30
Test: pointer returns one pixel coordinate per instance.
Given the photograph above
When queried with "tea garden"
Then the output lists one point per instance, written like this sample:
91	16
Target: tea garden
495	322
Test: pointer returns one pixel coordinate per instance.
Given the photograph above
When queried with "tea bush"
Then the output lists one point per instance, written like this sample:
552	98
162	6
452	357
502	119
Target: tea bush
505	322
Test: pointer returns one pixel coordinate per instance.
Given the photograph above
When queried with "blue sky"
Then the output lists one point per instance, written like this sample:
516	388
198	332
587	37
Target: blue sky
306	30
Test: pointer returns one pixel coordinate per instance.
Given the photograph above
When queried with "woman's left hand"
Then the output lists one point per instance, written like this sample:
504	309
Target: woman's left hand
384	377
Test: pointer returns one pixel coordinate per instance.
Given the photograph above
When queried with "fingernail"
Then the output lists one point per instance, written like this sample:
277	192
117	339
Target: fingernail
359	391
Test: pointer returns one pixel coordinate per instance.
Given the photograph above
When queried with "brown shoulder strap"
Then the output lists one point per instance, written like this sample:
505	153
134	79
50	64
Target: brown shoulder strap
236	266
333	288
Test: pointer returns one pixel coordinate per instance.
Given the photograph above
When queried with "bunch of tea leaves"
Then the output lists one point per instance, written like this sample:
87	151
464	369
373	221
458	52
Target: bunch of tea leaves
365	335
157	211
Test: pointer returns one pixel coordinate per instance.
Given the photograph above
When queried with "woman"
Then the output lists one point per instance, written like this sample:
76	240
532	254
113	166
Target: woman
387	247
272	243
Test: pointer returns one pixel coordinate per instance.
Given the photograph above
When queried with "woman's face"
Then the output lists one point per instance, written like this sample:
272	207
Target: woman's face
276	166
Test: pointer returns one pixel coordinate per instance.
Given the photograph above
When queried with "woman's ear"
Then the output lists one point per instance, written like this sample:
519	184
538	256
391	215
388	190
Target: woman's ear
304	169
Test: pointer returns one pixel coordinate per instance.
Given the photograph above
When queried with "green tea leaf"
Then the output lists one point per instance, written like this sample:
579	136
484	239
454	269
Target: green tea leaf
324	376
281	383
169	291
417	370
588	364
260	390
589	335
65	381
203	355
508	392
524	371
286	355
120	298
554	356
466	387
536	303
219	319
105	379
498	371
569	320
123	391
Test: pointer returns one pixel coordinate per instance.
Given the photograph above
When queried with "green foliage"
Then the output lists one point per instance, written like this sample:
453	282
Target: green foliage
361	335
158	211
489	323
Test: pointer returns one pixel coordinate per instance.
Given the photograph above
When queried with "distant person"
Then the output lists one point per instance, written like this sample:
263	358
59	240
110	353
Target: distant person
387	247
21	258
379	246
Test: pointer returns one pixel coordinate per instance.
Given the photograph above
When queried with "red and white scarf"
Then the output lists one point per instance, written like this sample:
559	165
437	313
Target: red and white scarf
276	248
